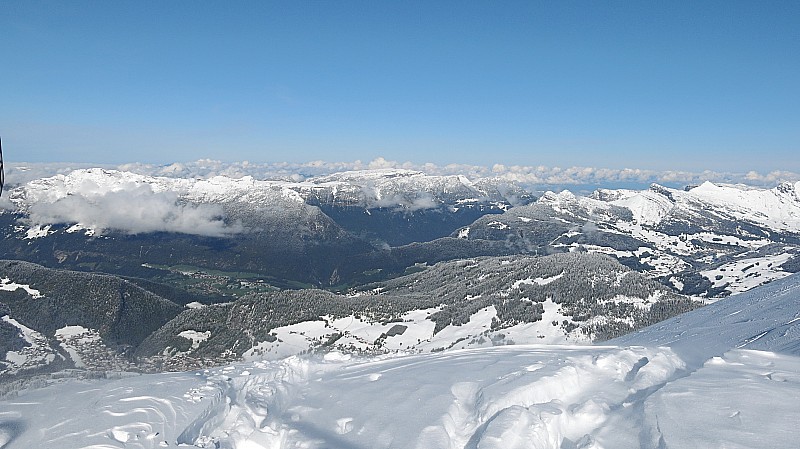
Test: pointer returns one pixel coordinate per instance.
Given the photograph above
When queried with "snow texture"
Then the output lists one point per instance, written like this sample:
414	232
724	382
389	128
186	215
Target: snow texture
722	376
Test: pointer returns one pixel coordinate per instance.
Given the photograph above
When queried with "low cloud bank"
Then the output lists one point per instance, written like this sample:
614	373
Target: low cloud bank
412	204
134	209
529	175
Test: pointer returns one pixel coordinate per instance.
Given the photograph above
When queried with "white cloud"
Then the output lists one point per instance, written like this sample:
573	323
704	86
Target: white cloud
419	202
133	209
530	176
381	163
6	204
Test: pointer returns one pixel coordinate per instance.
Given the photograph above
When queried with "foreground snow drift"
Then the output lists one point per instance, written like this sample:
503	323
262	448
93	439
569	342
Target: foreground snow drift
504	397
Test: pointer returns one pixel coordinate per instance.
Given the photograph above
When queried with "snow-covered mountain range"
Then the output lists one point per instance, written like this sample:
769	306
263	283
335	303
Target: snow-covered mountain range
348	228
102	200
707	240
307	232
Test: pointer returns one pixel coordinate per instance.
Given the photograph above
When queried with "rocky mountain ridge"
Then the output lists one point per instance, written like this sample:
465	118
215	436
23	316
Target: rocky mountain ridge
708	240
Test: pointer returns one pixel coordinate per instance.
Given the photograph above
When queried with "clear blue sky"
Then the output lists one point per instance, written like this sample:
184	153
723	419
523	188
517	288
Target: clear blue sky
660	85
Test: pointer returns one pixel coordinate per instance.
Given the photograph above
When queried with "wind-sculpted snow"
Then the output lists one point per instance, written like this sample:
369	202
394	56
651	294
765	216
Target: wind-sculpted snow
500	398
492	398
134	412
744	399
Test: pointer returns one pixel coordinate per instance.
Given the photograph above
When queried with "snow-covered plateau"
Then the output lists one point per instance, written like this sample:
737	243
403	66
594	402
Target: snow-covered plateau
723	376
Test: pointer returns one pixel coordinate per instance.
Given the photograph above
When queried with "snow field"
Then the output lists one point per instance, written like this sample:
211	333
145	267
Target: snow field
8	285
503	397
539	332
537	281
38	231
745	399
358	334
766	318
744	274
196	337
355	333
774	208
141	412
506	397
647	207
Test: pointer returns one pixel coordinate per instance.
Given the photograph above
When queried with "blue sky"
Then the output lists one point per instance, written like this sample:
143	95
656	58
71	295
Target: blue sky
655	85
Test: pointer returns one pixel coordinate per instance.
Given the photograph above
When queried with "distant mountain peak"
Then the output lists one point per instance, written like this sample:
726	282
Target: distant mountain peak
368	175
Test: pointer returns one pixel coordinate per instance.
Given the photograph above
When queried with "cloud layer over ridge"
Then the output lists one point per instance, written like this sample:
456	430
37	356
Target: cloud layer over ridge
133	209
528	175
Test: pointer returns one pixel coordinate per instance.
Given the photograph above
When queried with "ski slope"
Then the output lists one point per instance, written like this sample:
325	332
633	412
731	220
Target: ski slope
724	376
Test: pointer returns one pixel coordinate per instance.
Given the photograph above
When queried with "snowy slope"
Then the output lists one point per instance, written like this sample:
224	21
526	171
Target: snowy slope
710	240
710	389
555	299
777	208
410	190
766	318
